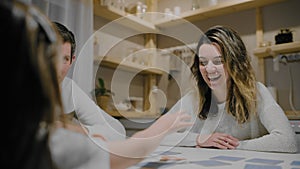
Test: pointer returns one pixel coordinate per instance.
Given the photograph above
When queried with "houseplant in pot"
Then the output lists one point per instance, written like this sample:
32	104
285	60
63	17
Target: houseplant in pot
103	95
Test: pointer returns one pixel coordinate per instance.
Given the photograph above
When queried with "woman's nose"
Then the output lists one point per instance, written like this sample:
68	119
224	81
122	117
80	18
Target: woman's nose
210	67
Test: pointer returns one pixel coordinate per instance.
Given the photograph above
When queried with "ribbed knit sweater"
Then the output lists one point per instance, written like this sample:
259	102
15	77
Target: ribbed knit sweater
269	131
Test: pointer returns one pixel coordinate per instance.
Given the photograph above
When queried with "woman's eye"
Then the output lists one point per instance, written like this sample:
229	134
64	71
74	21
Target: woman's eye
203	63
218	62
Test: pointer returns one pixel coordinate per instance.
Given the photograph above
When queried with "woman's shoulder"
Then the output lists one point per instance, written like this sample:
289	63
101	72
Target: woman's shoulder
260	85
261	88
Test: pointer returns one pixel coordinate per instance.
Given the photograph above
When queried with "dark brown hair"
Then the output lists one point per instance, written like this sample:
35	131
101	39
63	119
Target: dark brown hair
241	91
32	91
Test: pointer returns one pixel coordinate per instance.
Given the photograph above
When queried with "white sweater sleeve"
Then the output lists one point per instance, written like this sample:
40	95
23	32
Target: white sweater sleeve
90	114
280	136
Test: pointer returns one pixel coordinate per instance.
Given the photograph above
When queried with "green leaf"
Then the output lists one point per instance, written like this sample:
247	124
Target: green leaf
101	83
100	90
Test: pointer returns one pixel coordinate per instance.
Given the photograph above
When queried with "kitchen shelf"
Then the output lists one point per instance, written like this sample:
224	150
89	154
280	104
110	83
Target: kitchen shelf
273	51
292	115
114	63
132	114
277	49
135	23
221	8
123	18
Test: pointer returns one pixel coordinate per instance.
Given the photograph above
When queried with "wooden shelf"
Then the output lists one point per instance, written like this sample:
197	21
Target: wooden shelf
221	8
135	23
132	114
277	49
293	115
114	63
123	18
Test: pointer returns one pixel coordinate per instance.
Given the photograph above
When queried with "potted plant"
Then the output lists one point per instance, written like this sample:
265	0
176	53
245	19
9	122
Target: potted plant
103	95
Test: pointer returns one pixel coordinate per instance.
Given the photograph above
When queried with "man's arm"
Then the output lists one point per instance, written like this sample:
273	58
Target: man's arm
89	114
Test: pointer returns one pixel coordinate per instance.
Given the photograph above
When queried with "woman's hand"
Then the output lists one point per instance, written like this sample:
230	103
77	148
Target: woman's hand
218	140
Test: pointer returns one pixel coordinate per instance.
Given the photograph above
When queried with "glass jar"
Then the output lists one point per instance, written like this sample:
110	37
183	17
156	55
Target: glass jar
195	5
139	6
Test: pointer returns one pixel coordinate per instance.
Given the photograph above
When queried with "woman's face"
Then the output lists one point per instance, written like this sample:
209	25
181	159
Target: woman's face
211	66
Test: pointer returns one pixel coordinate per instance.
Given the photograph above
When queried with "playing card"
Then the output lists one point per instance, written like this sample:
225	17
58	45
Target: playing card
295	163
227	158
209	163
264	161
254	166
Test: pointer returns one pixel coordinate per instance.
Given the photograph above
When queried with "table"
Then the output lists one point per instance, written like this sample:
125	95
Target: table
204	154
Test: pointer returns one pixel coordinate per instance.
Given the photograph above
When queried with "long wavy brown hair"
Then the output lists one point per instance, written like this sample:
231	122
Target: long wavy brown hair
241	84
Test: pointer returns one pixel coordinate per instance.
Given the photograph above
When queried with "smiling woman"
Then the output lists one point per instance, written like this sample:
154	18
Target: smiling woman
241	110
234	110
211	67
